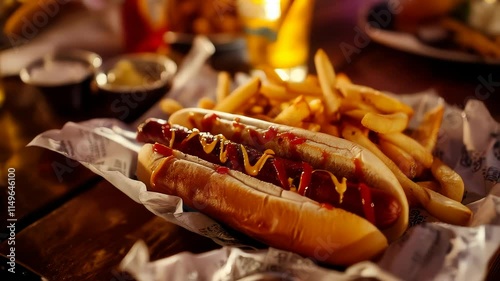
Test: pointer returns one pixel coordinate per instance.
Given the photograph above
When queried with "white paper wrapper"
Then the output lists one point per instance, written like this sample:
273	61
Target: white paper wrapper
469	142
230	263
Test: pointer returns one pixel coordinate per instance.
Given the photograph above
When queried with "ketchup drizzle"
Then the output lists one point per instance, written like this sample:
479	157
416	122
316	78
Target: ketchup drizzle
358	171
162	149
222	170
292	138
232	155
364	190
366	200
270	134
208	122
282	176
326	206
238	129
305	178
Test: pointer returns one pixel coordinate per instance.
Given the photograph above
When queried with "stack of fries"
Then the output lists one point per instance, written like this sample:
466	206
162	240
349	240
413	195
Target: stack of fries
330	103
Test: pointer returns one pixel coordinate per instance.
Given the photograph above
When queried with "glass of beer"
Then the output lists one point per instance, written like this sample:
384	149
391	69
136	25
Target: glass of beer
277	35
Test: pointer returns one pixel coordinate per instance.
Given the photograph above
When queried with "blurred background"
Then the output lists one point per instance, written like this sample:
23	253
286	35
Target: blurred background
31	28
396	46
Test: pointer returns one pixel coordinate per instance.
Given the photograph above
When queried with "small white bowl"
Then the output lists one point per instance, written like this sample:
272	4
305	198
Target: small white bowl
64	78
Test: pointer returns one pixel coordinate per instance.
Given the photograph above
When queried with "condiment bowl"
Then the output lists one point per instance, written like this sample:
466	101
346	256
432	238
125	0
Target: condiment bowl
130	84
64	78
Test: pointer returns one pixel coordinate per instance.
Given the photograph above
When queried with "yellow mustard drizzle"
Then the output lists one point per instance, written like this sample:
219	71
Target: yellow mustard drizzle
172	138
223	150
255	169
194	133
208	147
340	187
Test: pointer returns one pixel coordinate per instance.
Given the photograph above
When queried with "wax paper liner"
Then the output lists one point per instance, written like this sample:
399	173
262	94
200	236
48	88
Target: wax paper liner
468	141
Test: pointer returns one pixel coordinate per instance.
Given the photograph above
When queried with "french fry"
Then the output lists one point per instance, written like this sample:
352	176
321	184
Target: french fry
257	110
295	113
327	81
405	162
311	126
427	131
304	88
170	106
330	129
349	90
257	104
351	103
223	86
342	78
271	75
385	103
316	105
441	207
451	184
276	92
356	114
385	123
312	79
411	146
239	96
377	99
206	103
318	111
420	170
432	185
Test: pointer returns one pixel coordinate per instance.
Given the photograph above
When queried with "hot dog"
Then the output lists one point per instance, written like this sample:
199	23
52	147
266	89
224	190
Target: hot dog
316	195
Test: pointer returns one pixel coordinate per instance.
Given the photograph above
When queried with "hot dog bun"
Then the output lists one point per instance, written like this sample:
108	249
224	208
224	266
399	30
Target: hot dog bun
328	235
313	151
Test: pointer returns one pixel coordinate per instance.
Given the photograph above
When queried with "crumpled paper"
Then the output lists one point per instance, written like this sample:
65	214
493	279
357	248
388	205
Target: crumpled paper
230	263
469	141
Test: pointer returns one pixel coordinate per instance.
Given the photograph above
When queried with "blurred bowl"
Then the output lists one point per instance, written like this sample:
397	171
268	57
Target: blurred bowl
130	84
64	78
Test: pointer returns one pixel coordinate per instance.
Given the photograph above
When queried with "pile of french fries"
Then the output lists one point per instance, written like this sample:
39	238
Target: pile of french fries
330	103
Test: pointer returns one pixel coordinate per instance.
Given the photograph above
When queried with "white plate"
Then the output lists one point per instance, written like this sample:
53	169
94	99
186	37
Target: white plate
408	42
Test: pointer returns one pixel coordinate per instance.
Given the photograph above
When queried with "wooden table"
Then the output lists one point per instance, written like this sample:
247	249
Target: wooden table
76	226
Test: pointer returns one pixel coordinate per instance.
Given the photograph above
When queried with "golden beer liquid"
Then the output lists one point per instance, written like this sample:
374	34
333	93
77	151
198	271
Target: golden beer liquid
277	33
